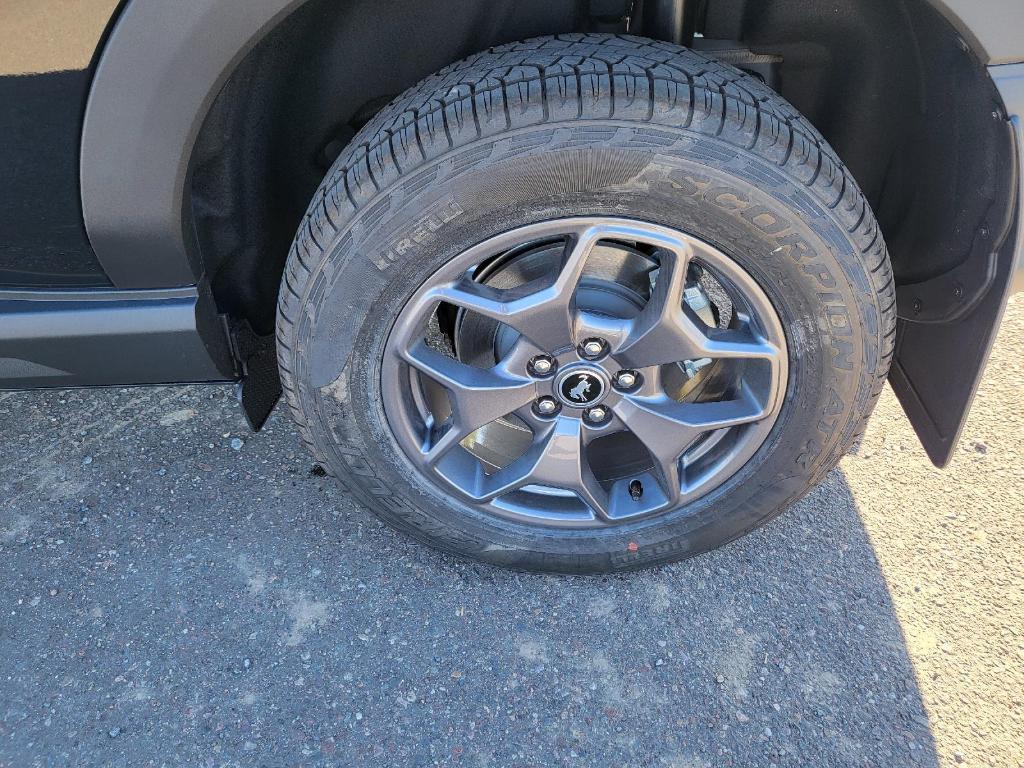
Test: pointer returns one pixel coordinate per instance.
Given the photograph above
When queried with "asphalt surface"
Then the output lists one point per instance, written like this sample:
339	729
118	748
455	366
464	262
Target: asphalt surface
177	591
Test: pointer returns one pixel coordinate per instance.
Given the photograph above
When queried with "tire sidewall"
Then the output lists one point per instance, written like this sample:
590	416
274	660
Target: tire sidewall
793	246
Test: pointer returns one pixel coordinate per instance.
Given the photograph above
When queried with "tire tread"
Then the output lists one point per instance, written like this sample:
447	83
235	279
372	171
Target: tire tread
576	77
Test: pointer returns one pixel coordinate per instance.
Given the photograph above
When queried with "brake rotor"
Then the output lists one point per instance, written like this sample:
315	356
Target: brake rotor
615	283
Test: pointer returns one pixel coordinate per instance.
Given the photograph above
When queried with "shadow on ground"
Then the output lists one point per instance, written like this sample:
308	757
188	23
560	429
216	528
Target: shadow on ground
171	600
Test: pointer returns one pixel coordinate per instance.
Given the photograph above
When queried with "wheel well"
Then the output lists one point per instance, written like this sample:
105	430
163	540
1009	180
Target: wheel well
902	98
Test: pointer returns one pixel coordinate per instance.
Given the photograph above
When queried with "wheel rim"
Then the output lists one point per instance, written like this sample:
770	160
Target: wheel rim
584	372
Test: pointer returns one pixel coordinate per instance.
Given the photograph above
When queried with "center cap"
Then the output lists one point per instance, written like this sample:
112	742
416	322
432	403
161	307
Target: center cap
582	388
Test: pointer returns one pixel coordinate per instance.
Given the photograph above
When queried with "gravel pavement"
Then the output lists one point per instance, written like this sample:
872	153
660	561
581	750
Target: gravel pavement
177	591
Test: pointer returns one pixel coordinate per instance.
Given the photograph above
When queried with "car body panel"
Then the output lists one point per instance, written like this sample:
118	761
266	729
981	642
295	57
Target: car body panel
107	337
992	27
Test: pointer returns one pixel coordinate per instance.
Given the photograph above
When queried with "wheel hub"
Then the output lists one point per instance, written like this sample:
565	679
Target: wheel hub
582	386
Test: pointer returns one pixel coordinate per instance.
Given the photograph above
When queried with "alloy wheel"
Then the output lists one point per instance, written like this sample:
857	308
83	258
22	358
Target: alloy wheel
584	372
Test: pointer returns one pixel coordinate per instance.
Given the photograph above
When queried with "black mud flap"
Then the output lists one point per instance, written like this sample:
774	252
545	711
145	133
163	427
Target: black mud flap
945	333
260	387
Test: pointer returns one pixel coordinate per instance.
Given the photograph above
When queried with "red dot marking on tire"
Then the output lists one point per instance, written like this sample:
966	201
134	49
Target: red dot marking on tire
632	546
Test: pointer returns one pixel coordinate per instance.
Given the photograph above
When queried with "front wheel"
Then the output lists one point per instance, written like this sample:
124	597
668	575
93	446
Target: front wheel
583	304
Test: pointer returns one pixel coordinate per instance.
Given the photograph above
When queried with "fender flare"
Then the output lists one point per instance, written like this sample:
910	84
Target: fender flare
157	77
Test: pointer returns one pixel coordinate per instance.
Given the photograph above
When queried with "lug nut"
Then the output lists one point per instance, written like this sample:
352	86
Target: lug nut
593	347
542	365
596	415
545	406
626	379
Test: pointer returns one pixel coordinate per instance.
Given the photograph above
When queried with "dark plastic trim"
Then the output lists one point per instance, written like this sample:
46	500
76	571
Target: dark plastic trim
163	65
104	337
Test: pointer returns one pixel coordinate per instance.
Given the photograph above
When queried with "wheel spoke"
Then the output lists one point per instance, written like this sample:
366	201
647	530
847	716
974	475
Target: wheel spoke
544	313
477	396
667	331
557	459
667	428
731	343
663	332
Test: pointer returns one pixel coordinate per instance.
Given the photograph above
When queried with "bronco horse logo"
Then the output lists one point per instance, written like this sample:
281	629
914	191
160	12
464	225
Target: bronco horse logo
581	390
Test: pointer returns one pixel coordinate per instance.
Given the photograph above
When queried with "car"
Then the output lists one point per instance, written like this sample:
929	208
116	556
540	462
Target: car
577	286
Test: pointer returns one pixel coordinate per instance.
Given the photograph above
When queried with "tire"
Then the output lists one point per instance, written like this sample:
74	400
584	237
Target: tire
567	126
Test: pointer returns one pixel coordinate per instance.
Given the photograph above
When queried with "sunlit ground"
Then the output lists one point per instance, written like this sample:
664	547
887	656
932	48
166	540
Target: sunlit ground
951	547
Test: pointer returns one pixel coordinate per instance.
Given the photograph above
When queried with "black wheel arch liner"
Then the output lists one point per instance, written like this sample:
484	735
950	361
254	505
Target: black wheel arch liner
164	64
